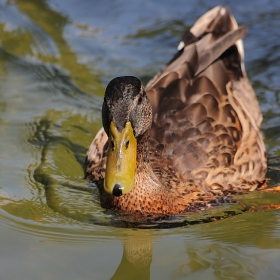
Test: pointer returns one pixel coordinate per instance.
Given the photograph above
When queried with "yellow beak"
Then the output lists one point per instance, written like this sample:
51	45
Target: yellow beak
121	160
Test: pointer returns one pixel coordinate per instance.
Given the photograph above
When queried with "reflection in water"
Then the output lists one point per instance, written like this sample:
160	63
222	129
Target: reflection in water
41	29
220	252
137	257
228	254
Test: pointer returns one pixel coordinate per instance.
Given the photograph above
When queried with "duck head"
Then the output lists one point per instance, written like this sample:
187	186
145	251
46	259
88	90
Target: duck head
126	117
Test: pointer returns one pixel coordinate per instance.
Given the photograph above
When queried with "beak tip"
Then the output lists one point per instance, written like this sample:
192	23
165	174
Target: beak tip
117	190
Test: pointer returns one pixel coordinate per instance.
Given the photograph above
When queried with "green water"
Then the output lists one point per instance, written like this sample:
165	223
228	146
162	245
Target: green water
56	58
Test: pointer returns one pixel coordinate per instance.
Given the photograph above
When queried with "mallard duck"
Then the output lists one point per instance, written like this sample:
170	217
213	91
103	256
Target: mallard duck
192	135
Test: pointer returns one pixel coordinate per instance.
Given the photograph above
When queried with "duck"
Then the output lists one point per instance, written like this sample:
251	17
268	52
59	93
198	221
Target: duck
190	138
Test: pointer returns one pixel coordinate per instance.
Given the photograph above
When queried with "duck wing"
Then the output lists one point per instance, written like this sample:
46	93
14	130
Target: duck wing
206	116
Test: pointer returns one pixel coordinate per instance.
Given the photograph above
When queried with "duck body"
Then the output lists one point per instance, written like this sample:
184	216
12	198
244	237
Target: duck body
196	126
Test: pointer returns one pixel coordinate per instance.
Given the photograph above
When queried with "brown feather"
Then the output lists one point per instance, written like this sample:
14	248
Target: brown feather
205	138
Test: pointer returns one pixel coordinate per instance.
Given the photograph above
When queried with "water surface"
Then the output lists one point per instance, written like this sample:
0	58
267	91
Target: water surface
56	58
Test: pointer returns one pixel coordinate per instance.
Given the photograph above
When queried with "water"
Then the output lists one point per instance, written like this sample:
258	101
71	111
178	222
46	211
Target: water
56	57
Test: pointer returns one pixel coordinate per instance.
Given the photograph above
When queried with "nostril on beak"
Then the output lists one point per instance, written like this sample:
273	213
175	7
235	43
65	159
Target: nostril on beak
117	190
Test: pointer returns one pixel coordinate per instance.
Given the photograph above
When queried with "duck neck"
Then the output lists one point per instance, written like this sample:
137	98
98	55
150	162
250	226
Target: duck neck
143	149
145	176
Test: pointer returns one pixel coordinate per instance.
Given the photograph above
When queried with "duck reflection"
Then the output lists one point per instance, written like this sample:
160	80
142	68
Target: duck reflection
137	257
209	249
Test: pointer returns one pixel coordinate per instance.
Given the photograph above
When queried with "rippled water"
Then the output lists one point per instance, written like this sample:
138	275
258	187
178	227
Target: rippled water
56	58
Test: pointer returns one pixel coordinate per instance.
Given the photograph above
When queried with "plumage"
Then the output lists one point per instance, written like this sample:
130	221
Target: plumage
202	140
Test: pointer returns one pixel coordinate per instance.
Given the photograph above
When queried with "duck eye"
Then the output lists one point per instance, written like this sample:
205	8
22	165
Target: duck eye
140	100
